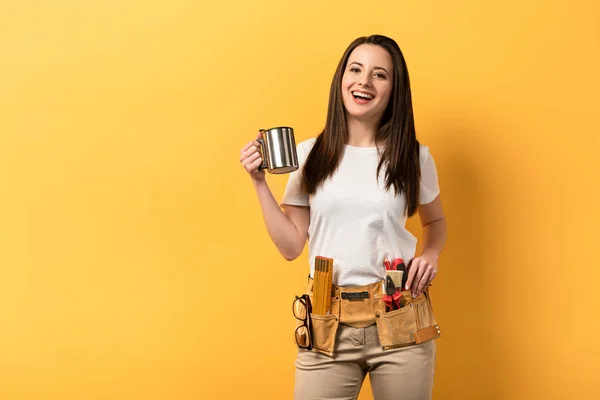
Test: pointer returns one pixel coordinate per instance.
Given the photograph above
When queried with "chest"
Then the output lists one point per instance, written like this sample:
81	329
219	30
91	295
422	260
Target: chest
355	191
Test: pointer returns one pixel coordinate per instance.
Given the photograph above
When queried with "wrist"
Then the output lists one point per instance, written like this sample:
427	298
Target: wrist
431	253
259	183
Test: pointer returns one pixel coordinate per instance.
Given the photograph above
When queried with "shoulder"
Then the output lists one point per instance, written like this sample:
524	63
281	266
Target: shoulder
307	143
305	146
424	153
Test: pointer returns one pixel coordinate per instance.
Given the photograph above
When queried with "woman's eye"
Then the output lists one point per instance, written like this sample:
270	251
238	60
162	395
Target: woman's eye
354	69
382	76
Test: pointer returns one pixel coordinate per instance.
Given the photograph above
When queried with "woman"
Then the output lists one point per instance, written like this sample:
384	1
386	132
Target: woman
357	183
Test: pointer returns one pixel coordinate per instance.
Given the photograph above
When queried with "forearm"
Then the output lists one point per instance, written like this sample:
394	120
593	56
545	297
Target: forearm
434	238
284	234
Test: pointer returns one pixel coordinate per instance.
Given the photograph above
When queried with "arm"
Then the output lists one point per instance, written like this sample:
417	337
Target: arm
423	269
433	222
288	228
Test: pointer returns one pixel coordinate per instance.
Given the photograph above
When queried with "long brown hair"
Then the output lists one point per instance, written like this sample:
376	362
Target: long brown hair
397	131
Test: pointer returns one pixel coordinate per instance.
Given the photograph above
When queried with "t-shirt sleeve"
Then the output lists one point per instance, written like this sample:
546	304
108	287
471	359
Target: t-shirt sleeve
293	194
429	177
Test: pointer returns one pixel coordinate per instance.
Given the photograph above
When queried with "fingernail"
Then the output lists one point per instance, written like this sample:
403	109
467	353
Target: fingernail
414	295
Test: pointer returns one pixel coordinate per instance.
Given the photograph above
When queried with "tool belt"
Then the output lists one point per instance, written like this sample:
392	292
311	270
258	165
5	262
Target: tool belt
362	306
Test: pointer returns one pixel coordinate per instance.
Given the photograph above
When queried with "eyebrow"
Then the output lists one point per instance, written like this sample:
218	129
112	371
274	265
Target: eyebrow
357	63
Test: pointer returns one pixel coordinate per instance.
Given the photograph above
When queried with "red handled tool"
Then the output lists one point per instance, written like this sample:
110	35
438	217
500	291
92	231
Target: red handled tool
398	265
392	297
393	292
388	265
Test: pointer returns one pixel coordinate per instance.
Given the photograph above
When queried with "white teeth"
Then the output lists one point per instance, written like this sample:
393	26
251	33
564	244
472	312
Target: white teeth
364	95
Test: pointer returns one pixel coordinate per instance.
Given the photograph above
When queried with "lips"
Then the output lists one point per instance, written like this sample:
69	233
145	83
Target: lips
362	97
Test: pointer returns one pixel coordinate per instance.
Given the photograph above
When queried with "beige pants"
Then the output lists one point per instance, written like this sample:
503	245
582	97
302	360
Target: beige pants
405	373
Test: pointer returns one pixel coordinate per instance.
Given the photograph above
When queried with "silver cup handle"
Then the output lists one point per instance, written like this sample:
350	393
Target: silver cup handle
262	149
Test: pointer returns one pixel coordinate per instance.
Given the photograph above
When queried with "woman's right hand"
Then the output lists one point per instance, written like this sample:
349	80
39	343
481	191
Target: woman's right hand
251	159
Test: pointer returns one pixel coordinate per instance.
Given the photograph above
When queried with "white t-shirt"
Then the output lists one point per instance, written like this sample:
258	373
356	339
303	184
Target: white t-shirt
353	219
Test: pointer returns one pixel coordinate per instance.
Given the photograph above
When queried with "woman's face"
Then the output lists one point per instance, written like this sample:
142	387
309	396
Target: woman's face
367	82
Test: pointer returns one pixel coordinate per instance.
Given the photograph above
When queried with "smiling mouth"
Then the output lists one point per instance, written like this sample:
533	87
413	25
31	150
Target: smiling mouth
362	97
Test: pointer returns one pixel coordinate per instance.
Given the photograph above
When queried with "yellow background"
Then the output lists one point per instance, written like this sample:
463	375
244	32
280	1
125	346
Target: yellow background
134	263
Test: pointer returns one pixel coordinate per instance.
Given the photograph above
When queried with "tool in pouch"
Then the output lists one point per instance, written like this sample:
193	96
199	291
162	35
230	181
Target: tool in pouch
316	324
394	283
322	285
404	328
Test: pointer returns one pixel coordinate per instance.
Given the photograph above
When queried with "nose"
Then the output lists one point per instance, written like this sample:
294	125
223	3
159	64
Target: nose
364	80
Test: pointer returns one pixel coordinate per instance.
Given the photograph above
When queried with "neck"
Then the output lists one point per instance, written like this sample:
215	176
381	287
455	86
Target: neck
361	133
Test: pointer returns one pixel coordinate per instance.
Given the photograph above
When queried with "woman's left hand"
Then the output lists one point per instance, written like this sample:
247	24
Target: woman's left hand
421	272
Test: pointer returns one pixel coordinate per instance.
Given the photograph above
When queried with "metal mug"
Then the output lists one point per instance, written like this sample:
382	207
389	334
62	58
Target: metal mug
278	150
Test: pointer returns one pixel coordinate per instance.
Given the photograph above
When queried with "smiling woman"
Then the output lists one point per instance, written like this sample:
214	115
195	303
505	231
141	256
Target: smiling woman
371	66
367	84
356	185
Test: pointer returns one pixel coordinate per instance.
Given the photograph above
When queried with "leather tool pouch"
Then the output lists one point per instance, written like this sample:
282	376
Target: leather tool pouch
323	327
363	306
412	324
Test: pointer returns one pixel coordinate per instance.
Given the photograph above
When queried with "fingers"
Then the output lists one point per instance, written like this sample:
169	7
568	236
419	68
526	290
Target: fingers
253	167
419	272
424	272
424	281
250	148
247	146
412	269
252	162
251	157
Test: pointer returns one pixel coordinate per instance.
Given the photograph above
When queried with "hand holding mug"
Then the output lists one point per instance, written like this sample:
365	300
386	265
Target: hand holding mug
251	159
273	150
